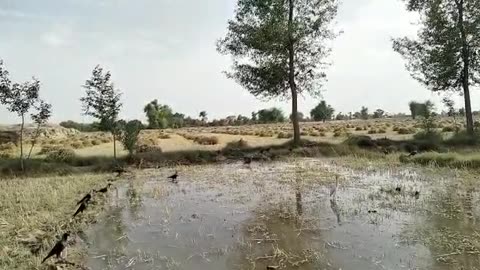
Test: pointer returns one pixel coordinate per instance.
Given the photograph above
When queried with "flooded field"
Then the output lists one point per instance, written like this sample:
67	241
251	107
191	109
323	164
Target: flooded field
281	216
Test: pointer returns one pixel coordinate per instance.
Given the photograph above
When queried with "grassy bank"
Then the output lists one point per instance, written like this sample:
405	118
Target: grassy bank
452	160
35	212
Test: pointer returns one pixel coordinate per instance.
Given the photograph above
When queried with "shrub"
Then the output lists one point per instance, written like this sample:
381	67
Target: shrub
144	148
106	140
87	143
448	129
322	134
382	131
46	149
76	145
404	130
464	139
361	141
358	128
240	144
65	155
164	136
372	131
204	140
284	135
96	142
314	134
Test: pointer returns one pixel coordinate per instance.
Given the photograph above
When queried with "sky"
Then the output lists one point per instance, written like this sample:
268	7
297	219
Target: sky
165	50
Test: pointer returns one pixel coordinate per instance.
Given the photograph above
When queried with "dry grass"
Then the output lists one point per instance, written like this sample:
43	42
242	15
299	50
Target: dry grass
34	212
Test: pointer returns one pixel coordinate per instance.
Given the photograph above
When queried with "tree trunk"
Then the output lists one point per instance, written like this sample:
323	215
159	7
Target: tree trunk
37	133
466	68
21	143
291	76
114	146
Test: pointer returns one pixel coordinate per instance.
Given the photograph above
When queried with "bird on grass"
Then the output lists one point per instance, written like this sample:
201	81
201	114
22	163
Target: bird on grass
333	188
417	194
173	177
247	160
81	208
398	189
413	153
119	171
59	247
105	189
85	198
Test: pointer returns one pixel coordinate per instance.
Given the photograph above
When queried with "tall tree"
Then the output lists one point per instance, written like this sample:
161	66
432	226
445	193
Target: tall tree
446	54
102	101
279	47
19	98
203	116
379	113
131	131
273	115
322	112
364	113
158	115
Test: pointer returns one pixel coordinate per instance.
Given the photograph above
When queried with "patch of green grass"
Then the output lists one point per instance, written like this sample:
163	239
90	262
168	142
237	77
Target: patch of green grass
453	160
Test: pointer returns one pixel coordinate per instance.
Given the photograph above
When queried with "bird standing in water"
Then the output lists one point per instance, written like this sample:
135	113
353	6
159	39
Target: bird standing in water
59	247
81	208
333	189
173	177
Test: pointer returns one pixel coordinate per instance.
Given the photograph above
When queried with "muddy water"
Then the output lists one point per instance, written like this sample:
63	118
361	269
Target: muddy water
281	216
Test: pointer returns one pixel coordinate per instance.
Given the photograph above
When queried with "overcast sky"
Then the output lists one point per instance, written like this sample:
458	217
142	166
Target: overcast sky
165	50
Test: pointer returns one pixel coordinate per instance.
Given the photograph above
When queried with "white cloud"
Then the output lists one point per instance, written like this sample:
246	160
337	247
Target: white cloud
58	36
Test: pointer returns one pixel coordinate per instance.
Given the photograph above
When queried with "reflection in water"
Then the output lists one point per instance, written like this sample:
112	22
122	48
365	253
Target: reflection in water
244	223
334	207
135	201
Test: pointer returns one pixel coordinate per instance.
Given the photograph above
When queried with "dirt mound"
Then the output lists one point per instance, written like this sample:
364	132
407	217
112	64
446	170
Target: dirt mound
12	133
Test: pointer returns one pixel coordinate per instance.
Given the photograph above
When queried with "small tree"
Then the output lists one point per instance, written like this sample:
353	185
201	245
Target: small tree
19	99
379	113
364	113
102	101
131	130
322	112
158	115
254	117
203	116
44	112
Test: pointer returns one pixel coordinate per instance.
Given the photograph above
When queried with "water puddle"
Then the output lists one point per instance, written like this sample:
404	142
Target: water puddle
281	216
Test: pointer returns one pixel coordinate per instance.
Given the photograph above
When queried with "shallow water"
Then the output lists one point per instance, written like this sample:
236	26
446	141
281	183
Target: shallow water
280	215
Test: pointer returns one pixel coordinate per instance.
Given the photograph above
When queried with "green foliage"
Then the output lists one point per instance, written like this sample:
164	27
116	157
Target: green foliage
101	100
340	116
364	113
131	130
158	116
20	98
65	155
379	113
322	112
80	126
272	115
278	47
444	56
463	138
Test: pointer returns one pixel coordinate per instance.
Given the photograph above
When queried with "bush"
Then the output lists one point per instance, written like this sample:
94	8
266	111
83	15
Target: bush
164	136
46	149
361	141
381	131
76	145
464	139
65	155
87	143
240	144
96	142
358	129
204	140
403	130
372	131
314	133
284	135
144	148
448	129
